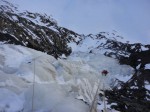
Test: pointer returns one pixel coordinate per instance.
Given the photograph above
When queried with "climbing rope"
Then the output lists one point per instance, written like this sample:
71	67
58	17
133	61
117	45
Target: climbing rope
104	73
93	109
33	89
104	101
33	86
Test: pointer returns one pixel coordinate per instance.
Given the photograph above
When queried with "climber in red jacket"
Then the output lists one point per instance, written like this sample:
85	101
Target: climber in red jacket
104	72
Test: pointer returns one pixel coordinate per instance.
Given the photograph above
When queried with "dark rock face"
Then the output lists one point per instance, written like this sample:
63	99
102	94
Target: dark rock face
137	58
140	58
8	39
133	96
117	49
33	30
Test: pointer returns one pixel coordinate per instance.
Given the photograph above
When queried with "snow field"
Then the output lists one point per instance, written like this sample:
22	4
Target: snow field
60	85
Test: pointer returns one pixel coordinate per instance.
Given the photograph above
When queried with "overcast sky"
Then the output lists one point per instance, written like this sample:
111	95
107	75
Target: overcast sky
130	18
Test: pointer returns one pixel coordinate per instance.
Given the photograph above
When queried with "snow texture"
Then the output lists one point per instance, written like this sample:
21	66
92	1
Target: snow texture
60	85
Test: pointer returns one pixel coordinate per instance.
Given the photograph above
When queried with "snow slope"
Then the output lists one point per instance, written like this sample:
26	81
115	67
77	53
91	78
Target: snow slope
60	85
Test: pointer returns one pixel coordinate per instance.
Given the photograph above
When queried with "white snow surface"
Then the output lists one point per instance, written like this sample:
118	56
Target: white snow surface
88	43
60	85
147	66
92	42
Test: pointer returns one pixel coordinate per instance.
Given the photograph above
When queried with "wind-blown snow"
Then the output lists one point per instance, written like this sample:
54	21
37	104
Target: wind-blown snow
60	85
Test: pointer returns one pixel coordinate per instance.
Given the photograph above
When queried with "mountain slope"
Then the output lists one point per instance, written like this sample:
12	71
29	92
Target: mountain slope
134	95
130	91
41	32
34	30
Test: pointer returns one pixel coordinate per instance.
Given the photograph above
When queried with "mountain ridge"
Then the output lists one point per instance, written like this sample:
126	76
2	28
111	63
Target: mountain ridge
41	32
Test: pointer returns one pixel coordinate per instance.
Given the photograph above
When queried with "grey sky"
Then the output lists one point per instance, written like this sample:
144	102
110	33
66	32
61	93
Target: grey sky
130	18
